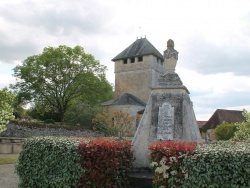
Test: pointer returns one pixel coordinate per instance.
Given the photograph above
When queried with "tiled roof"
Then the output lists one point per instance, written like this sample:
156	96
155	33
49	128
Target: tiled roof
125	99
139	48
201	123
221	115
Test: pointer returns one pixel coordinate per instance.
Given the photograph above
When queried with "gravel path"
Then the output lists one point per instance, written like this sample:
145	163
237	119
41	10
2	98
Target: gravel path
8	179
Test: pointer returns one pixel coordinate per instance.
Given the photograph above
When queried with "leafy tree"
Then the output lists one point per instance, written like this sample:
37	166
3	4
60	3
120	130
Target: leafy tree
59	76
225	131
81	114
243	129
6	109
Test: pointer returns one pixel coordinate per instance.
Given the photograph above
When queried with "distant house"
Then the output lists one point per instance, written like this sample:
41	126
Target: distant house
201	123
224	116
126	103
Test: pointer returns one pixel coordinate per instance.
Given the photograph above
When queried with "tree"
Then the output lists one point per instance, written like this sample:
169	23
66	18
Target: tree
6	109
243	128
61	75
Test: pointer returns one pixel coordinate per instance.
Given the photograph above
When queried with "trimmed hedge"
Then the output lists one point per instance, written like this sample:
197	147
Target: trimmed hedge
74	162
221	164
106	163
49	162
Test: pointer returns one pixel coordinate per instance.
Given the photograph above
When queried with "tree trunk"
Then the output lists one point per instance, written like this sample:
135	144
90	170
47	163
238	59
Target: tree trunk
62	118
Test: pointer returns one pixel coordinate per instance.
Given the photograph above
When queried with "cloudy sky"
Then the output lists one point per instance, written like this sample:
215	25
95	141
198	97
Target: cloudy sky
212	37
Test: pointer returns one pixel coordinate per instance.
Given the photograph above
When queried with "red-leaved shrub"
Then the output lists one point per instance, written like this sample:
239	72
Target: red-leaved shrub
166	157
106	163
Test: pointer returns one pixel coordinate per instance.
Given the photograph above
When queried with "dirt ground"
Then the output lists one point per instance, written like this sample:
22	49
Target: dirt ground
8	179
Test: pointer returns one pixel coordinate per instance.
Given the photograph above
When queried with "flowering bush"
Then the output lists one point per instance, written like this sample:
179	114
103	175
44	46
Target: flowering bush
106	163
166	157
6	110
121	123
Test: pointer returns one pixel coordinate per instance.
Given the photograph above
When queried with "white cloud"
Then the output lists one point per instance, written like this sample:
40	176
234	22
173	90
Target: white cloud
213	38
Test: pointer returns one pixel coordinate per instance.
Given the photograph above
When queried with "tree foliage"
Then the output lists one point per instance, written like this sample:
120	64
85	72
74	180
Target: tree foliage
6	109
243	129
59	76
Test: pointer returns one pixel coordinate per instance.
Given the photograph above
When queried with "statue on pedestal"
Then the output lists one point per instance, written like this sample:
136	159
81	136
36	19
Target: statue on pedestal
170	52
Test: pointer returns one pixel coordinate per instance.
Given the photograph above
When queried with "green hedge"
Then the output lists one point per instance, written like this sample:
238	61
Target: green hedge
221	164
49	162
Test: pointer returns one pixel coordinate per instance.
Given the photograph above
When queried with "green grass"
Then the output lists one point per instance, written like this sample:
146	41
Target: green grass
8	159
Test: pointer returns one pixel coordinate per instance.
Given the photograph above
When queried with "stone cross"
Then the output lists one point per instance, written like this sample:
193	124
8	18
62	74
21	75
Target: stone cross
165	122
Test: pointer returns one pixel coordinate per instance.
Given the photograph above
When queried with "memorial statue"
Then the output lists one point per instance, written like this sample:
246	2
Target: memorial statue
170	52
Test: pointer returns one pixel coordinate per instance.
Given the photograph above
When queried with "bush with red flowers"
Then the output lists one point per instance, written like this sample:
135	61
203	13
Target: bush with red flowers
106	163
166	157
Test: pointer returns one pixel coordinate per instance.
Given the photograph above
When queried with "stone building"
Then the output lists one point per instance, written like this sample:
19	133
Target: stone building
137	69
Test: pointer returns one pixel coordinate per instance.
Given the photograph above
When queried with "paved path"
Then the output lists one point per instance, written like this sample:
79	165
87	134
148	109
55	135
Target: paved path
8	179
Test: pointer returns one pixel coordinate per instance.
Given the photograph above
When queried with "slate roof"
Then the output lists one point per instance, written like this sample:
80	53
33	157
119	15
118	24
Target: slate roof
125	99
139	48
221	115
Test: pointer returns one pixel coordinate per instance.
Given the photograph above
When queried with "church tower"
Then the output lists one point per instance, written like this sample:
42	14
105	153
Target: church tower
137	69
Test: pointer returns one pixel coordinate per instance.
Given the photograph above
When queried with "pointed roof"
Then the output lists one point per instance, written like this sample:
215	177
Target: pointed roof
221	115
139	48
125	99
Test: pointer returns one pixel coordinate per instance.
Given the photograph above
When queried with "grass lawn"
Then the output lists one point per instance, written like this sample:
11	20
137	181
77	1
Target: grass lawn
8	159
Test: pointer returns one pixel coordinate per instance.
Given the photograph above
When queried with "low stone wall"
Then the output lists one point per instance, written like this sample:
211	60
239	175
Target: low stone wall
9	145
22	131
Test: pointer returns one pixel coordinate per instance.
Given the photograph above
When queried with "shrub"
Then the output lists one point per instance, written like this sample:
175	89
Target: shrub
221	164
106	163
49	162
122	124
243	129
49	121
225	131
166	157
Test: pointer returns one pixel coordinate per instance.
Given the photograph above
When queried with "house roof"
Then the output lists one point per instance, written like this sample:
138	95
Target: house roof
221	115
201	123
125	99
139	48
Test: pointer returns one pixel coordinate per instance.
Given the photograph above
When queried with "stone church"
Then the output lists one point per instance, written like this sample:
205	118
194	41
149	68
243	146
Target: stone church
137	69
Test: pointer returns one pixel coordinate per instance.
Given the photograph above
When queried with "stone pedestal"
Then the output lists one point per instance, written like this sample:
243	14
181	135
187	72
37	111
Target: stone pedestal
185	125
169	113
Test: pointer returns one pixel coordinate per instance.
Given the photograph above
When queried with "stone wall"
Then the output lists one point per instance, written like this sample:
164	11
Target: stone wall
21	131
137	78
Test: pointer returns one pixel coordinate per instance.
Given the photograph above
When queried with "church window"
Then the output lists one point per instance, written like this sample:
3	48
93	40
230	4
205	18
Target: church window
140	58
132	60
125	61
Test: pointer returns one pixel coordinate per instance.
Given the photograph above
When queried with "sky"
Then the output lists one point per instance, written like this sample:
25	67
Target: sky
211	36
